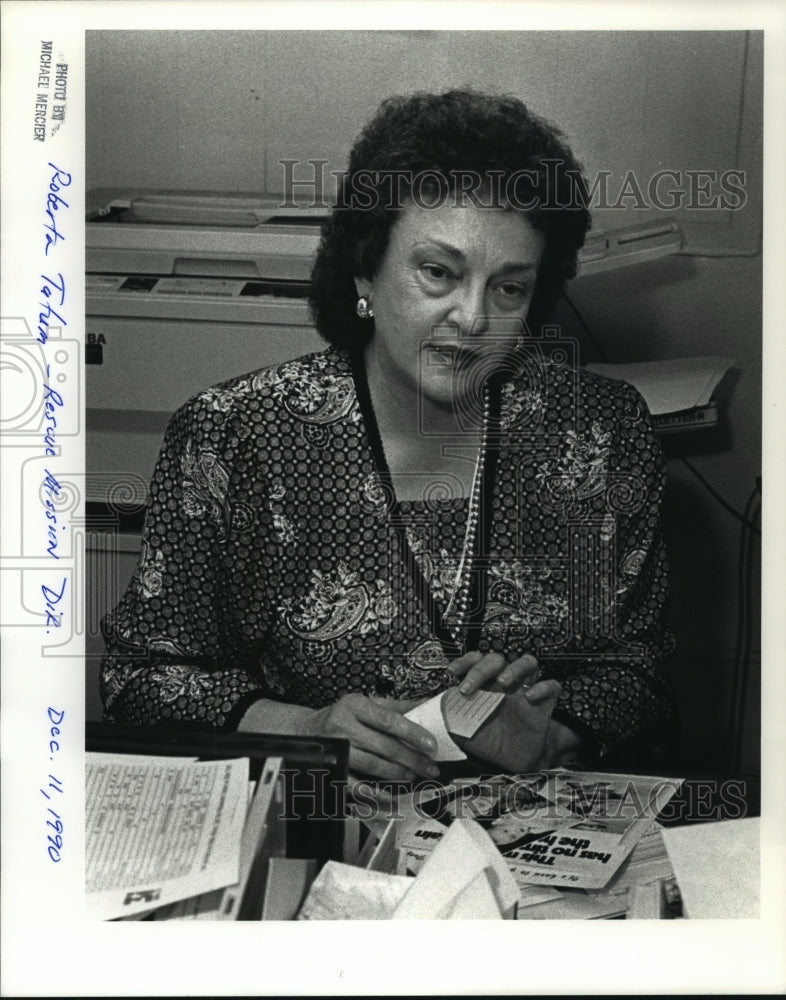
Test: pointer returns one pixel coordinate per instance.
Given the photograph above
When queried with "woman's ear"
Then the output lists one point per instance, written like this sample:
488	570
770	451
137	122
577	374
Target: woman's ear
364	287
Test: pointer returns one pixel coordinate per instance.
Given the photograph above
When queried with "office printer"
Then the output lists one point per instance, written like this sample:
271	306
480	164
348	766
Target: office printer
183	291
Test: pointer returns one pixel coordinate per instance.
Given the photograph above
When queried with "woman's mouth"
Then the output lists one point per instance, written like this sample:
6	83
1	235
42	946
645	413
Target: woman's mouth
451	355
443	355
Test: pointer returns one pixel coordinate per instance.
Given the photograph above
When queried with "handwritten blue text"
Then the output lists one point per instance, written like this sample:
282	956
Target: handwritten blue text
51	491
52	598
52	400
54	841
54	203
53	288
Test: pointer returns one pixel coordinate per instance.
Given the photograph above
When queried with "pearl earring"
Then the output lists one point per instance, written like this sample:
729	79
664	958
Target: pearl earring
363	308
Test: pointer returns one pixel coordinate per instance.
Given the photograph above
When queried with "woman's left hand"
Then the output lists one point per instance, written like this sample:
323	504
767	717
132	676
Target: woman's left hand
517	736
492	671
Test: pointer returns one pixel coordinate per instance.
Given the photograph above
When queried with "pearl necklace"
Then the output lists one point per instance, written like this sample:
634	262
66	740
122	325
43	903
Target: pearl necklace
459	600
482	482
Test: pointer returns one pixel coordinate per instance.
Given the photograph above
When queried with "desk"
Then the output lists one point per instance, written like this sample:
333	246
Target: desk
316	787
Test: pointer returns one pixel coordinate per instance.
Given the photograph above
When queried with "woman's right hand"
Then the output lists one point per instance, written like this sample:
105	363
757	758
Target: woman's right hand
383	744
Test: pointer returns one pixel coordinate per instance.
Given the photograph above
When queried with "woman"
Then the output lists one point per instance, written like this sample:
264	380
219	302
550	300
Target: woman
435	497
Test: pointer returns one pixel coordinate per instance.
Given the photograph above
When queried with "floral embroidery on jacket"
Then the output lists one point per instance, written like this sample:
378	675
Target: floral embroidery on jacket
223	399
440	572
375	497
422	673
522	595
175	681
339	604
518	406
310	393
631	568
580	473
284	529
150	571
205	483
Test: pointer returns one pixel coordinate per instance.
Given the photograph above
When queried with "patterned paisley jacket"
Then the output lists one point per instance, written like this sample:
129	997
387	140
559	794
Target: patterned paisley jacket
270	567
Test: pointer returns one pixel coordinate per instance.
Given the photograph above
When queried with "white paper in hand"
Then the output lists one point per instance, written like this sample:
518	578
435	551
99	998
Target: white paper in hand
467	713
429	715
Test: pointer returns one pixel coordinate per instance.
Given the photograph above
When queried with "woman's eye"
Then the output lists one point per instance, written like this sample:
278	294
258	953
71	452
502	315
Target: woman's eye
436	272
511	295
512	289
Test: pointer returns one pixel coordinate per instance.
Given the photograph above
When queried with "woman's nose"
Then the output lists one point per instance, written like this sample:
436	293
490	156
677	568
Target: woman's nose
469	311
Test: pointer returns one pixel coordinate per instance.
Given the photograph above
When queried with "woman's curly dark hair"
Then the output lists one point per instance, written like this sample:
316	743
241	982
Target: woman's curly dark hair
439	141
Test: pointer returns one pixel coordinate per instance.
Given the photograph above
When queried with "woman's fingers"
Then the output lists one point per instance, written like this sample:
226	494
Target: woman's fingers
486	669
479	670
542	692
387	746
396	748
400	705
522	671
389	719
459	667
380	732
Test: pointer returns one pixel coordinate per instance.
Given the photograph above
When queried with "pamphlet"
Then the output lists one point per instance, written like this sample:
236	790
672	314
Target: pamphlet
557	829
158	832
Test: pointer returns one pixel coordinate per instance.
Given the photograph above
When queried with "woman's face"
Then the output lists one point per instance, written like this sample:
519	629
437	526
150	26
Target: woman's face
450	298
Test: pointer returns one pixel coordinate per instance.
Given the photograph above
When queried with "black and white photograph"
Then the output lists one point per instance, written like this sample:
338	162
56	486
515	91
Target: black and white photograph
388	446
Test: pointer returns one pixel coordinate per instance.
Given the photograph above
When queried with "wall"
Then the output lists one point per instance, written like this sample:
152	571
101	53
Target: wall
218	110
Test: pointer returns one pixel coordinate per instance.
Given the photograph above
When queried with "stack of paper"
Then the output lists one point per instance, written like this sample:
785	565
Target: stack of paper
172	838
559	829
558	844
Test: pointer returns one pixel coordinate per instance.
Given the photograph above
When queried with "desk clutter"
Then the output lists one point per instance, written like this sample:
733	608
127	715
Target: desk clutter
572	845
178	838
184	824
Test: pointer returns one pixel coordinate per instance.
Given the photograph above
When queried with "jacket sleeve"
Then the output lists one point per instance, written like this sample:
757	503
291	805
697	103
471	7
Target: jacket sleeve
614	691
174	649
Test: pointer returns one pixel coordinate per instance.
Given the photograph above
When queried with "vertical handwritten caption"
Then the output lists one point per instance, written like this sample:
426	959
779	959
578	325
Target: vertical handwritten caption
55	784
52	306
